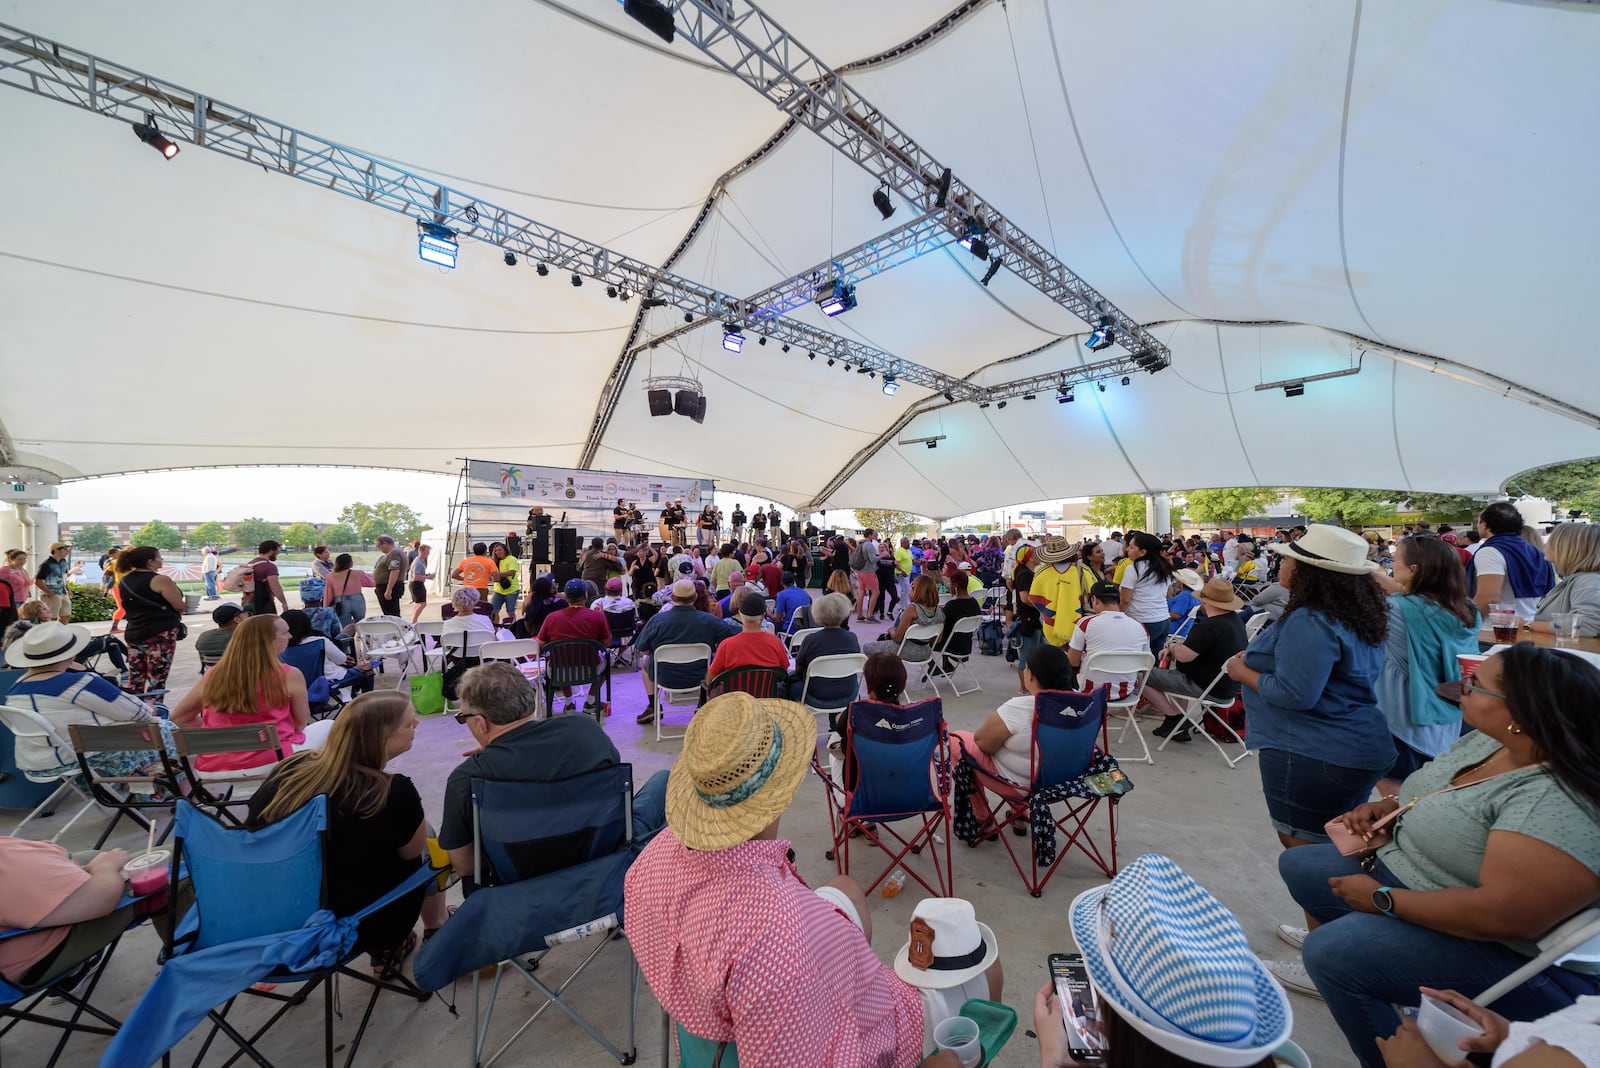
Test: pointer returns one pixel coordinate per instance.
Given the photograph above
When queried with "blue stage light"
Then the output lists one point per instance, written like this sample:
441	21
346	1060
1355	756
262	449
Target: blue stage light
437	244
732	337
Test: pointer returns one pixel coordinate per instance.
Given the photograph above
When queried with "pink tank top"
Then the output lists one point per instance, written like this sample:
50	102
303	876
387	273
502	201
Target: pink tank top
281	717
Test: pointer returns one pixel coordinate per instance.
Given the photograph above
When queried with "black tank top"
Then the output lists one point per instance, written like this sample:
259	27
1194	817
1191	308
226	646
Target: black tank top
148	613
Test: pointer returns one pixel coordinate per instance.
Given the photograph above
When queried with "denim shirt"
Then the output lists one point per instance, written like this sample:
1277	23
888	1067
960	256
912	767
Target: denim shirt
1315	696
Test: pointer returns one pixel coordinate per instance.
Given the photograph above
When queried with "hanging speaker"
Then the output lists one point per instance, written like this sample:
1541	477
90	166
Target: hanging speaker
699	413
687	401
660	401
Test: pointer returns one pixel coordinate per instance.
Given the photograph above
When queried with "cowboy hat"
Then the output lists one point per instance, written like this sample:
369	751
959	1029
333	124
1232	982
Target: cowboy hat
1055	550
1330	548
1218	593
44	644
1174	963
743	760
1190	578
952	945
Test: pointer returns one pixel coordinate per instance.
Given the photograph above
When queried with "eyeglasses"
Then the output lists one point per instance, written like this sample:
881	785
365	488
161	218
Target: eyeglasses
462	717
1469	687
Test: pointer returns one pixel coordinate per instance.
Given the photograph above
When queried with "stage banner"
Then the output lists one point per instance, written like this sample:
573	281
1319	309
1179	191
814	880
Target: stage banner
500	494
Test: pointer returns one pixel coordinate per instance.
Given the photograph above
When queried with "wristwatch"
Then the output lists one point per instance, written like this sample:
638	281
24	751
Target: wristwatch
1383	901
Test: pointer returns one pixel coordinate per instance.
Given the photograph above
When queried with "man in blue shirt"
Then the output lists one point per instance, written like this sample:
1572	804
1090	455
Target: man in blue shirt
789	598
680	624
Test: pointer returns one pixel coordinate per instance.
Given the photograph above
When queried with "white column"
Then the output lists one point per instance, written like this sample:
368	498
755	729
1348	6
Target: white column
1158	513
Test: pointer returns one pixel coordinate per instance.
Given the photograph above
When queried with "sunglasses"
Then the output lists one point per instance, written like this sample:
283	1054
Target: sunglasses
462	717
1470	687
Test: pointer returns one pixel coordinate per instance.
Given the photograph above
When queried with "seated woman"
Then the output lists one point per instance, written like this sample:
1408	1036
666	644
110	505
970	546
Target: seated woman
1574	550
1003	745
885	678
463	634
340	669
376	831
30	613
1503	844
960	606
830	614
56	686
251	685
74	907
839	582
542	601
923	608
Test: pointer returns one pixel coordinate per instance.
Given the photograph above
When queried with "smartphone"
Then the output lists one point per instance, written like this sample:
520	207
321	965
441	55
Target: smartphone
1080	1008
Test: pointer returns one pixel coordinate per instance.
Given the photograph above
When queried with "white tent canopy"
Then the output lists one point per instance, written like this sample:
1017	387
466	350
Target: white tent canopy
1407	181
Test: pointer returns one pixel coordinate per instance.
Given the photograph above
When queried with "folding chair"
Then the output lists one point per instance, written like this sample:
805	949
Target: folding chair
26	725
219	791
668	699
259	916
1576	938
935	670
896	767
1255	625
430	642
385	638
208	662
127	795
837	666
921	634
551	857
756	681
520	653
1065	726
573	662
308	659
797	638
624	625
1120	662
1195	710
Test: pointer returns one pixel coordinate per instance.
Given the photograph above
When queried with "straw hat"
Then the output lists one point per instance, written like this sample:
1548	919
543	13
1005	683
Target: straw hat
743	760
44	644
951	945
1330	548
1190	578
1055	550
1218	593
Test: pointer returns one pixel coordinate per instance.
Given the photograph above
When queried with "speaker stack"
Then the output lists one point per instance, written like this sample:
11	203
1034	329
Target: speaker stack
660	401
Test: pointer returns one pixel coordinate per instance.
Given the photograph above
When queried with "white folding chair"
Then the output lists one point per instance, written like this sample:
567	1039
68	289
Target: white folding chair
799	636
520	653
27	724
991	599
935	668
837	666
1123	662
944	599
1255	625
686	698
1194	711
1576	938
430	642
920	634
386	639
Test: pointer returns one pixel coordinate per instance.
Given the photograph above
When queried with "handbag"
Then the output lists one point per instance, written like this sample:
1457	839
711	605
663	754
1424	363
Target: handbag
1351	844
427	693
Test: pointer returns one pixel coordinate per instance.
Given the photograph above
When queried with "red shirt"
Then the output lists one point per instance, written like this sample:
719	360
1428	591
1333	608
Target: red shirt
759	649
772	578
574	622
738	948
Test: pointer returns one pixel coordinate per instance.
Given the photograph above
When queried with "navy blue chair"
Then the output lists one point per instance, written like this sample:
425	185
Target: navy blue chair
307	658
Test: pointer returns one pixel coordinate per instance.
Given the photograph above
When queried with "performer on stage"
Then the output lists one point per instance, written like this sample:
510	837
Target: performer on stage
619	521
708	525
774	520
738	523
758	524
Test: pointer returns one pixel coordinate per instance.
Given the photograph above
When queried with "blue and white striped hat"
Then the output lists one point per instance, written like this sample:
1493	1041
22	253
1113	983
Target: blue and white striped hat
1174	963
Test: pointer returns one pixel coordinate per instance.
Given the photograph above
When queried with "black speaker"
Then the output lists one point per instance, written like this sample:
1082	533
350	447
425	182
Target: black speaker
566	546
687	401
699	413
660	401
794	528
562	572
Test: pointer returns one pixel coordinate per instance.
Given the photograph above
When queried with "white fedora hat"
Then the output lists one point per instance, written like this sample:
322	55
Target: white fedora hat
1330	548
44	644
948	945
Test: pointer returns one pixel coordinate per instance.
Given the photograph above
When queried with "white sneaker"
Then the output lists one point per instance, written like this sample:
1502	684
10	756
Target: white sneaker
1292	976
1295	936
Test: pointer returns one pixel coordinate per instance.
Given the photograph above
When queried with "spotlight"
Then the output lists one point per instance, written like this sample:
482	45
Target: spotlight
1104	336
881	201
436	244
623	295
688	317
541	270
951	397
611	291
653	15
1064	395
836	298
148	133
762	340
890	386
511	259
863	369
872	374
812	356
1029	396
933	444
994	269
985	404
1298	389
1002	404
974	242
830	360
944	189
732	337
653	302
1126	380
785	346
577	279
1102	386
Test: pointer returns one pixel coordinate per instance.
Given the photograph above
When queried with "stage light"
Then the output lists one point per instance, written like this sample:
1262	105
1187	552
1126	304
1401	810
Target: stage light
1126	380
994	269
688	317
951	397
785	346
577	279
830	360
1102	386
984	404
1002	404
541	270
836	298
890	386
933	444
975	242
944	189
762	341
1029	396
148	133
1104	336
732	337
1064	395
511	259
863	369
653	15
1296	390
623	295
653	302
436	244
811	355
881	201
611	291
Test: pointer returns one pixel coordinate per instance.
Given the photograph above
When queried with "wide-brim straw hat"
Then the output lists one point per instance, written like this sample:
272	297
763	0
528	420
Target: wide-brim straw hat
1054	551
44	644
1190	578
1329	547
743	760
1219	593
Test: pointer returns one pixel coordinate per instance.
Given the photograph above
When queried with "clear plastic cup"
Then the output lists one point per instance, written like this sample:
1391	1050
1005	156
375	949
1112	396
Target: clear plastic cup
147	872
959	1035
1565	627
1443	1026
1505	623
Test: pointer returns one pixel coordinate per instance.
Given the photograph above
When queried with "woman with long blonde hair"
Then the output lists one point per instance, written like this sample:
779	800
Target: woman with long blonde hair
376	830
251	685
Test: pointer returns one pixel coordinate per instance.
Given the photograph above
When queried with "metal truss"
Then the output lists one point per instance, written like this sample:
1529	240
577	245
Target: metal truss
920	236
749	44
1116	367
49	69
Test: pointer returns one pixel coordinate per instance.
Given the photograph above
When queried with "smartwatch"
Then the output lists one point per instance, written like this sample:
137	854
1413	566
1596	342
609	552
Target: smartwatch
1383	901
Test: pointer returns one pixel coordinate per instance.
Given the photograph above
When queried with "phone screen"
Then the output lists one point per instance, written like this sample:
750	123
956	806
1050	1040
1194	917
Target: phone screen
1080	1009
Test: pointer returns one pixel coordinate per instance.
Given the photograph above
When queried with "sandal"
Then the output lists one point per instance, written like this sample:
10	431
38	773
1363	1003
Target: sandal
389	963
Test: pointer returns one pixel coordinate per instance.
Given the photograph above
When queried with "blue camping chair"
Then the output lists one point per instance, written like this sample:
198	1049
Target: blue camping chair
551	858
1066	725
258	916
895	768
320	694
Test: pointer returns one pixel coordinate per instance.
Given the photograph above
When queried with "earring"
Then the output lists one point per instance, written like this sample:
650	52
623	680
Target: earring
1512	728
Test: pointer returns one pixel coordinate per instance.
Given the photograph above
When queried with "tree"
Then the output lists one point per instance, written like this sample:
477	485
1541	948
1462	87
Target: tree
1348	507
887	522
300	536
158	534
212	533
248	533
355	514
92	538
1227	506
372	528
402	521
1574	486
339	534
1444	506
1118	512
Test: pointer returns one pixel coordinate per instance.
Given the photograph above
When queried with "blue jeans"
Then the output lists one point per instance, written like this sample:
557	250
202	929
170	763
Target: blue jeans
1364	965
211	585
1158	634
506	602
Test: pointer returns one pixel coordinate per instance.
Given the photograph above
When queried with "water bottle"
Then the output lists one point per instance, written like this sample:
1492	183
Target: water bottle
583	930
894	883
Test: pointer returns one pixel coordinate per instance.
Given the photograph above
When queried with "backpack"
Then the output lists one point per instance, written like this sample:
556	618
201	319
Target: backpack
862	559
242	579
991	637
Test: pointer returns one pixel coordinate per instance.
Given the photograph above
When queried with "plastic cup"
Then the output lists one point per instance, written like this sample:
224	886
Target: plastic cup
1565	626
1442	1027
1469	665
147	873
959	1035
